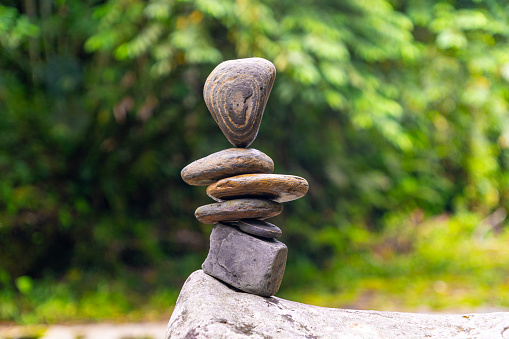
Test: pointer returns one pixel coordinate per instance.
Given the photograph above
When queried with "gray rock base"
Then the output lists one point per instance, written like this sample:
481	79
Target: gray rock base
248	263
207	308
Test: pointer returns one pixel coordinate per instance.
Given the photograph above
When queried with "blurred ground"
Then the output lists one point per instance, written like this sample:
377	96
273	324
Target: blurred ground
87	331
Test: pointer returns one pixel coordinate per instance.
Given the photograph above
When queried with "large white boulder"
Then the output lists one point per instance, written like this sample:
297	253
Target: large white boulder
207	308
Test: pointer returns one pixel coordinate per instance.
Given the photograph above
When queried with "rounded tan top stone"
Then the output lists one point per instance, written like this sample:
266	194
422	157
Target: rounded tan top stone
236	93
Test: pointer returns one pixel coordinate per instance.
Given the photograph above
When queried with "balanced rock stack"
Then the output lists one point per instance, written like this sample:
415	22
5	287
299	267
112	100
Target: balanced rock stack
244	252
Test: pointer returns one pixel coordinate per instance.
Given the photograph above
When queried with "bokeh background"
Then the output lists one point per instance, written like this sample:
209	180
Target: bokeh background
396	112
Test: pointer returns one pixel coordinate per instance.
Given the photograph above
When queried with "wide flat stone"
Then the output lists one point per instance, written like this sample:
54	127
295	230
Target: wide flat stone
226	163
259	228
250	264
207	308
276	187
237	209
236	93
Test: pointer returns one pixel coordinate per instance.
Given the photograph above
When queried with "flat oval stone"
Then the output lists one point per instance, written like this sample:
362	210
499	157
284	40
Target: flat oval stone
226	163
276	187
237	209
259	228
236	93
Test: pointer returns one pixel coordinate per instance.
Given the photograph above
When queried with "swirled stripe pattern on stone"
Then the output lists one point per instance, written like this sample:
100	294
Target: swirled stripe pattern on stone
236	93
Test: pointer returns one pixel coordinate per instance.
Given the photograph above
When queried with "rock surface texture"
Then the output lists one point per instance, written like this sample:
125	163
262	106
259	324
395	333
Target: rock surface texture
207	308
236	93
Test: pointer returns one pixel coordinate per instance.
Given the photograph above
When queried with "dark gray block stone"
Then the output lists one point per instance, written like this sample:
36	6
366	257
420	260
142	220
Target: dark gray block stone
248	263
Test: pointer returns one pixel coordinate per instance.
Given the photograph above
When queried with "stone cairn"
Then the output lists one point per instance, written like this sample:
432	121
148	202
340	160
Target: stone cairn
244	252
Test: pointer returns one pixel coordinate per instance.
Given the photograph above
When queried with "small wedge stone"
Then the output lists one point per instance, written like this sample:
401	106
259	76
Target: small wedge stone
259	228
237	209
250	264
276	187
226	163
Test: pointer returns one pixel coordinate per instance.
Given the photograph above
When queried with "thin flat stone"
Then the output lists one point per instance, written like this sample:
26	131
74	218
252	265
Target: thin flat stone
226	163
237	209
236	93
259	228
276	187
250	264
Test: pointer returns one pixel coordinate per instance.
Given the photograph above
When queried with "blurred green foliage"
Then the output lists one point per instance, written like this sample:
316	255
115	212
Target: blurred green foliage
395	111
